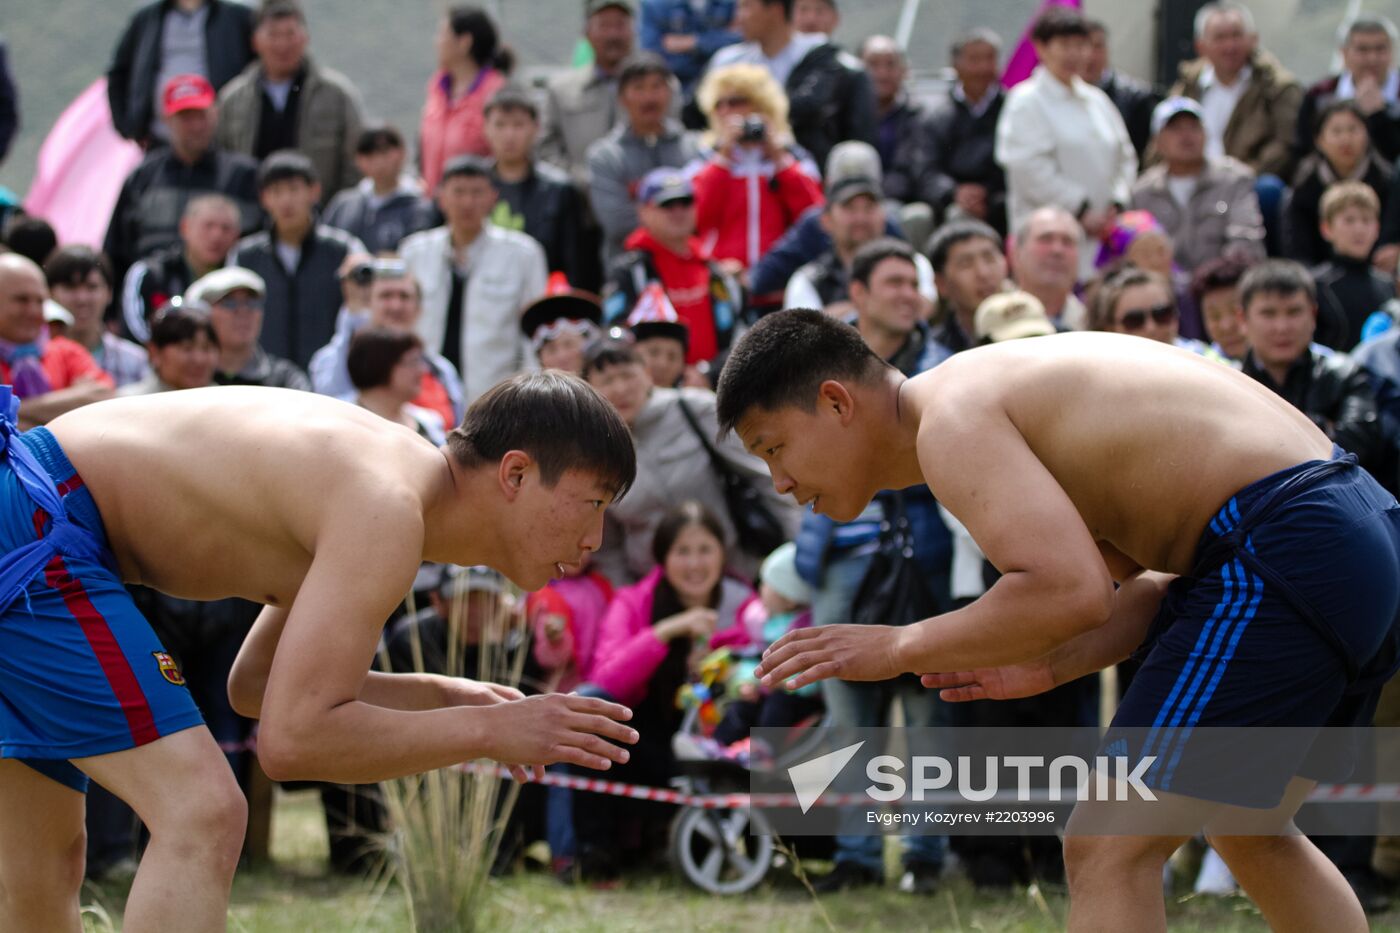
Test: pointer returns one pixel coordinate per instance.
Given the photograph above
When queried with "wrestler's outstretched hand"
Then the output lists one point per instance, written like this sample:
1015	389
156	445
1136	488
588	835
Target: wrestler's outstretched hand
993	683
556	727
846	652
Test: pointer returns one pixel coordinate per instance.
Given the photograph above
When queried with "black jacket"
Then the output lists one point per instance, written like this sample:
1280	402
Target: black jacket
830	100
1302	234
9	104
382	229
1348	292
546	205
1335	392
131	79
902	141
150	283
961	150
299	311
154	195
1135	101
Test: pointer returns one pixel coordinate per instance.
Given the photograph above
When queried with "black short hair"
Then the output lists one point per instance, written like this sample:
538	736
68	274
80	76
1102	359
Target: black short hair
787	6
378	139
512	97
940	245
476	22
1332	108
32	237
466	166
374	352
285	165
173	324
270	10
639	65
608	352
556	418
877	251
1218	273
72	265
1277	277
1059	22
785	357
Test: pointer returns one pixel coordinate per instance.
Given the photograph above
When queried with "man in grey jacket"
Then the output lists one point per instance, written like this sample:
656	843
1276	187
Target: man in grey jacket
647	140
1208	206
284	100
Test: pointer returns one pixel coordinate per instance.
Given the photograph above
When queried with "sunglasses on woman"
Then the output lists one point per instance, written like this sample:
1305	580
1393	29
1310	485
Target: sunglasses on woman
1137	318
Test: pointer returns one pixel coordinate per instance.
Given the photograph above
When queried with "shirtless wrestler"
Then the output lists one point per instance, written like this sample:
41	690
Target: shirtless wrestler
1076	461
322	512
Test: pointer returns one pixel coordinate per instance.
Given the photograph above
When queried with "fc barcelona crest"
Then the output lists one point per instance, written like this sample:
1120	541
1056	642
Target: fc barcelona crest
168	668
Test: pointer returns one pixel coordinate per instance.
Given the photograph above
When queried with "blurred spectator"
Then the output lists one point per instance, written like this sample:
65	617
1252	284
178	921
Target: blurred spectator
1140	303
686	33
284	100
650	643
646	139
581	105
234	297
969	266
1137	239
1208	206
393	303
535	197
1216	290
208	231
9	103
854	216
50	375
964	179
1280	315
152	201
755	182
474	280
889	309
565	618
297	258
80	280
1368	77
1342	152
386	368
665	251
1249	102
387	204
31	237
1011	316
470	64
560	325
1349	289
672	463
184	354
1061	140
900	135
1134	99
662	342
1047	262
829	94
816	16
209	38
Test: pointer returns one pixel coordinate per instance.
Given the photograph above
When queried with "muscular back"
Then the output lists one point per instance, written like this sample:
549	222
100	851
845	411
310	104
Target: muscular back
1148	441
207	493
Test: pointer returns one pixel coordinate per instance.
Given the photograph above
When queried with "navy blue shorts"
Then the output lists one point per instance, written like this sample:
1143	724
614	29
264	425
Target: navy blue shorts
81	672
1291	618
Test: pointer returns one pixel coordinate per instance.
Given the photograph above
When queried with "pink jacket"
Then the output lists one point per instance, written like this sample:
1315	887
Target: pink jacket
454	127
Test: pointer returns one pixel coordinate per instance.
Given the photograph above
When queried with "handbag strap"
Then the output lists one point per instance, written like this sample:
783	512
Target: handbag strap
720	465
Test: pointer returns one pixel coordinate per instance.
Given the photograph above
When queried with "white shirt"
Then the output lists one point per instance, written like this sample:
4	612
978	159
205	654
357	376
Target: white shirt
289	255
278	92
1181	188
1063	145
1217	104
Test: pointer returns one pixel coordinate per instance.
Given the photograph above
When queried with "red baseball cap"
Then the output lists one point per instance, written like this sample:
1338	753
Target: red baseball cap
187	92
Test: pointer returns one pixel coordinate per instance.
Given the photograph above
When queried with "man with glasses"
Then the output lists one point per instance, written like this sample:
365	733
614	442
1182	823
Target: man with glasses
235	299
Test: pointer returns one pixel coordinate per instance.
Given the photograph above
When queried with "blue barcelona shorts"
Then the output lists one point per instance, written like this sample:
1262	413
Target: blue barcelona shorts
81	672
1290	618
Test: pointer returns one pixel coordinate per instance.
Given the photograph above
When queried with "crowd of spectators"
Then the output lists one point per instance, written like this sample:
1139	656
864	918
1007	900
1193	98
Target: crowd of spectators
626	219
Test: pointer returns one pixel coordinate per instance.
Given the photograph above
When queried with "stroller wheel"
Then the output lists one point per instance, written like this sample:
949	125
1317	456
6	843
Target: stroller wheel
721	851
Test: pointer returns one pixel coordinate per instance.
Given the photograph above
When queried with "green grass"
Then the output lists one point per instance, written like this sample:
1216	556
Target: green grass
298	895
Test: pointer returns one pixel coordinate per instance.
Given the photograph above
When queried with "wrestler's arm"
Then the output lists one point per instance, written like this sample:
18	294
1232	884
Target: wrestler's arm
41	409
1054	584
315	724
248	679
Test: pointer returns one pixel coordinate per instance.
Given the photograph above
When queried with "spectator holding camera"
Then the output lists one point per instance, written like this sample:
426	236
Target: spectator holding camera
756	181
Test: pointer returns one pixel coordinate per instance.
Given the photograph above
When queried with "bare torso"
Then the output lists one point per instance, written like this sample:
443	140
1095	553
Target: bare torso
1148	441
208	493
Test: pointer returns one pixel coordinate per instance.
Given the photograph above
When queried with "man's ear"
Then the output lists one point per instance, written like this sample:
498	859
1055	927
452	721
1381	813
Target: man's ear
835	398
511	473
1326	230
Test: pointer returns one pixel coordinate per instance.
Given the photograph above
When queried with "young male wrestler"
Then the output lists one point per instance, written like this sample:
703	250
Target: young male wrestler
1075	461
322	512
